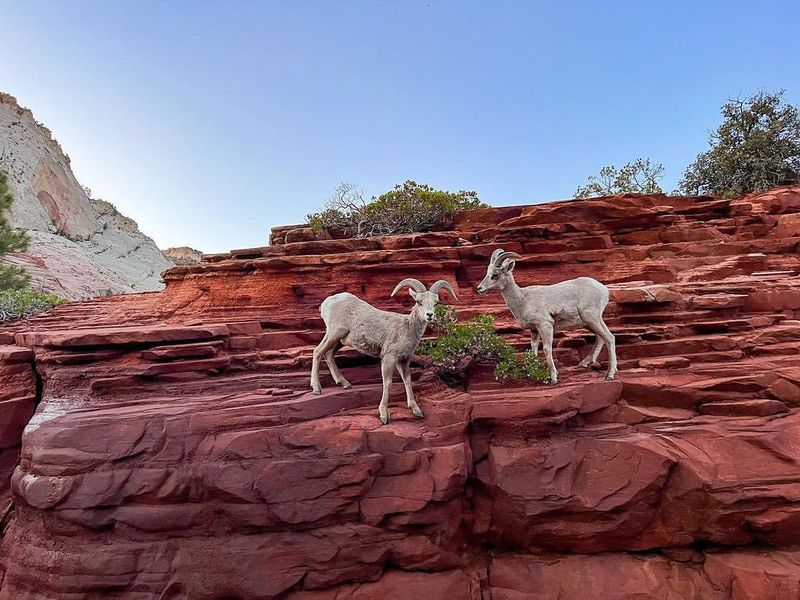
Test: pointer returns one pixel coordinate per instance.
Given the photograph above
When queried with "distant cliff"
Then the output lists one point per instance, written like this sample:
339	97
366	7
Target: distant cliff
80	247
183	256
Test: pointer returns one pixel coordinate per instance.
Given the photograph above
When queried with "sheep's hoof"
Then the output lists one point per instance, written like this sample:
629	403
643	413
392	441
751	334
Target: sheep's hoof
609	378
584	365
552	382
316	390
346	385
385	419
418	412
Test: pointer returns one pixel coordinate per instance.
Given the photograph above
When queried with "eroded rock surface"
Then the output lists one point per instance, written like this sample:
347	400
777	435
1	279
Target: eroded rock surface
176	450
183	256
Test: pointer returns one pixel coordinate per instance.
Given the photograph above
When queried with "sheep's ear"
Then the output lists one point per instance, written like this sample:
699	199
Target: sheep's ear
413	293
508	266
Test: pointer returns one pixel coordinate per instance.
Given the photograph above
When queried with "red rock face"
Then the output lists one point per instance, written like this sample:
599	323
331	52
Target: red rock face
176	451
17	400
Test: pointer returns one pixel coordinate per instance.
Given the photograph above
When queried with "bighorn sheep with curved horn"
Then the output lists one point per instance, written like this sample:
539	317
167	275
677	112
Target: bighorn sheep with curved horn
391	336
542	308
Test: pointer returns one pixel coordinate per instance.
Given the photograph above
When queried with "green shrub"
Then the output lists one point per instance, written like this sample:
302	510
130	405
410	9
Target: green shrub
523	366
16	304
756	147
637	177
475	340
408	208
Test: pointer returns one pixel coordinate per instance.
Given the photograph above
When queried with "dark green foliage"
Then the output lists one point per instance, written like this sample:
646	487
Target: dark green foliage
756	147
16	304
11	240
408	208
466	341
463	343
637	177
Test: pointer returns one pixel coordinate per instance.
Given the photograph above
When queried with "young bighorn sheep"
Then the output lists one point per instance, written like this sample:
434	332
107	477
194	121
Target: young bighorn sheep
391	336
542	308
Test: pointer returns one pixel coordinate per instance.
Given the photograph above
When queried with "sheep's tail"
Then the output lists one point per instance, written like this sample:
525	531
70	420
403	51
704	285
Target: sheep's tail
605	295
324	309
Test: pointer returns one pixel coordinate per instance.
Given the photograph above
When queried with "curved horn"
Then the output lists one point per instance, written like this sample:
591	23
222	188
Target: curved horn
503	256
442	284
495	254
416	284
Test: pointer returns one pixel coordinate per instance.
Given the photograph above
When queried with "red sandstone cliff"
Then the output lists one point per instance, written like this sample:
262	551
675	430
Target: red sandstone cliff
176	451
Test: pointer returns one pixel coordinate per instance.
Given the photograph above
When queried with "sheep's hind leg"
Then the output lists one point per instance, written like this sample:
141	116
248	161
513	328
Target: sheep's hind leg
601	331
535	342
591	358
327	344
546	332
387	369
612	351
405	374
336	373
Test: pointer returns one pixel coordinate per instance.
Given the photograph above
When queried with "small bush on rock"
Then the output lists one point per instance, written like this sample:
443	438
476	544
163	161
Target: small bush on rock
408	208
523	366
637	177
17	304
466	342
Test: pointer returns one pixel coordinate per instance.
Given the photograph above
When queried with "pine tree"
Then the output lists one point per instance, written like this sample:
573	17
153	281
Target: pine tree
11	240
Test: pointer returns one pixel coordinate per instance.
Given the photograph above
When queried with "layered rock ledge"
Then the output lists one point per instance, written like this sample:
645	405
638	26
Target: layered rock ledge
175	450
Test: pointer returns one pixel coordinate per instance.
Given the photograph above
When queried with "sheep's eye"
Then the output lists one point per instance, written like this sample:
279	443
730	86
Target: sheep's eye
495	275
419	303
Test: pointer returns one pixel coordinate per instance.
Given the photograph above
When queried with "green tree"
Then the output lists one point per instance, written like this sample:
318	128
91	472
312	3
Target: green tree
408	208
11	240
756	147
637	177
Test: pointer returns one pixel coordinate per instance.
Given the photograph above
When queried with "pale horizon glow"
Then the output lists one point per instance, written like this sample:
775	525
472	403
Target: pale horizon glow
209	122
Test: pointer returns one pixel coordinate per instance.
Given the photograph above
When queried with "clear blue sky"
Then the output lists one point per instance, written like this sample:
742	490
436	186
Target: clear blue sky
210	122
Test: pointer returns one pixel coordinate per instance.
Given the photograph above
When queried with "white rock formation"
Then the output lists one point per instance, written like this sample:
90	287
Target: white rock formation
183	256
80	247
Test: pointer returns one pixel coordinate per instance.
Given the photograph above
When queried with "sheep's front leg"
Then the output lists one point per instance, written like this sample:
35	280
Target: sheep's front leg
534	342
405	374
546	331
387	370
